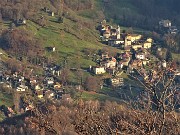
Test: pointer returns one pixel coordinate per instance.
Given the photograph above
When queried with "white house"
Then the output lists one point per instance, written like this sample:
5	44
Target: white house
164	64
52	13
140	56
49	80
114	42
21	88
99	70
54	49
165	23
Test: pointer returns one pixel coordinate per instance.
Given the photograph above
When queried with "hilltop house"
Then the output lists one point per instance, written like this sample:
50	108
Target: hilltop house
165	23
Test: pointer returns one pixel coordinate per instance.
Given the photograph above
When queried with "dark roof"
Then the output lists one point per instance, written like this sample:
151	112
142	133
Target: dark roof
113	30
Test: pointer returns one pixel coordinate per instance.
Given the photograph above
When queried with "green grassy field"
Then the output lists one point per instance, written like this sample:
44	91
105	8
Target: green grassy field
68	45
97	96
7	100
176	56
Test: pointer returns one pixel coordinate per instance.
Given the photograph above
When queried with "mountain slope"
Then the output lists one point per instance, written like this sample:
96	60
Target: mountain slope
143	13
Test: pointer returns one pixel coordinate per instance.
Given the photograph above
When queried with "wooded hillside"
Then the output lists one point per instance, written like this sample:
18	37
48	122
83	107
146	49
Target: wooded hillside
143	13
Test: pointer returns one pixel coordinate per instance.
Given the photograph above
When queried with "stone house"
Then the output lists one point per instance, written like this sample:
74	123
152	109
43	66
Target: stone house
117	81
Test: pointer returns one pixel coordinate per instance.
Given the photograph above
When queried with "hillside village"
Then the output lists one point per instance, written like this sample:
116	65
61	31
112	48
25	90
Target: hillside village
136	55
63	71
135	60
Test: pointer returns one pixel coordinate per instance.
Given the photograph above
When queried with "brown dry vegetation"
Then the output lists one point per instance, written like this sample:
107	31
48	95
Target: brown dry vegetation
92	117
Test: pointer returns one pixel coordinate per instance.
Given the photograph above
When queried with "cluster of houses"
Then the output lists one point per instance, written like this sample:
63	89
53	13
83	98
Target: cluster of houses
167	26
114	37
135	57
128	61
23	21
43	87
47	86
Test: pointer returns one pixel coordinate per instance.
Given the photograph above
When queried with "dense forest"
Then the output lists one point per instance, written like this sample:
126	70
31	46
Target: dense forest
15	9
139	13
143	13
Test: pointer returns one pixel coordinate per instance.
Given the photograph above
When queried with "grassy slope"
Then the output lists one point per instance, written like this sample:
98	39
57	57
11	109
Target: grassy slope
5	99
64	37
67	44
